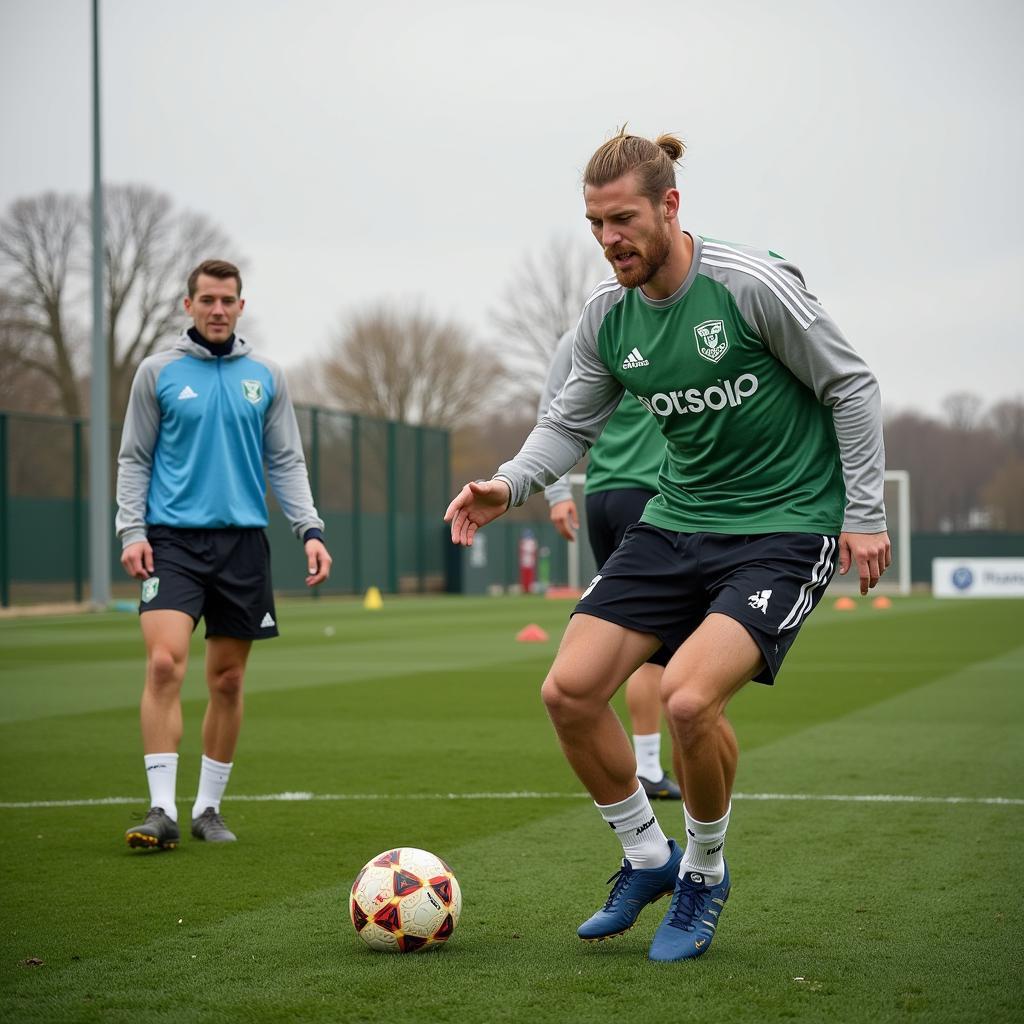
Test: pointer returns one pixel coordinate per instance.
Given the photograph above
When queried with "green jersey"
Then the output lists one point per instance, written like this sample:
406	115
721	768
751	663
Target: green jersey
772	420
630	450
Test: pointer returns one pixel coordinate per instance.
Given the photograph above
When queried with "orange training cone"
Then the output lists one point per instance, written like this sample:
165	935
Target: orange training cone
531	634
845	604
881	602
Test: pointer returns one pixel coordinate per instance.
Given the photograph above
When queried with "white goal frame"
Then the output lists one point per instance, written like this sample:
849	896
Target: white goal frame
899	477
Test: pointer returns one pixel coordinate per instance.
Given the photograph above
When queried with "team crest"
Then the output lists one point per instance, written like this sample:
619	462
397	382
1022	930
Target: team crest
712	342
253	391
150	588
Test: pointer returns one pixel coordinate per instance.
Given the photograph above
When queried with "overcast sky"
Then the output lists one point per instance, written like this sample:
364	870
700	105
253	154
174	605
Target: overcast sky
408	150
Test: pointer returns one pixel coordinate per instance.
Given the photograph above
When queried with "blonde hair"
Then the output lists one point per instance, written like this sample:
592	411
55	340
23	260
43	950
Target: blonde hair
652	162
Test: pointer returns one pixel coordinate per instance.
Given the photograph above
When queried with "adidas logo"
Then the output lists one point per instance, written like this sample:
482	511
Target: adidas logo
635	360
268	620
186	392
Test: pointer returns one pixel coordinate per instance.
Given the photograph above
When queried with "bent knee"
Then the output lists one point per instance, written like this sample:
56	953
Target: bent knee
566	696
689	708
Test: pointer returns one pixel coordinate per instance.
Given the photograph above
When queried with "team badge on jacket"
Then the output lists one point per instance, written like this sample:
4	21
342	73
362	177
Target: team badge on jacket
712	342
253	391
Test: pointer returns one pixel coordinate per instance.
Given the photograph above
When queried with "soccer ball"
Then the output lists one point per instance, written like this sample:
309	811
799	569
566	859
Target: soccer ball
404	900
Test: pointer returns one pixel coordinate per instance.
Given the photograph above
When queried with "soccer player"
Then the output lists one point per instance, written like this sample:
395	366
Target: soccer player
773	473
203	418
622	476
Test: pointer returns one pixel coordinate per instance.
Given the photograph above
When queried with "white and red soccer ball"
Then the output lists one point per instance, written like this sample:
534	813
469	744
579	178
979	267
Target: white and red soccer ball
405	900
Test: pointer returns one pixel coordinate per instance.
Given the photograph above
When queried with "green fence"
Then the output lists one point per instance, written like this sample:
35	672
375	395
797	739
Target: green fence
380	487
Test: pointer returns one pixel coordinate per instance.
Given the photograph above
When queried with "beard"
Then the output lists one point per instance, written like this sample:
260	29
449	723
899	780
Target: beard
649	261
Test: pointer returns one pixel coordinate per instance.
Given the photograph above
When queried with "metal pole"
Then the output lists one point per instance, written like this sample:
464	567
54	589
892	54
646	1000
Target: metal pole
99	421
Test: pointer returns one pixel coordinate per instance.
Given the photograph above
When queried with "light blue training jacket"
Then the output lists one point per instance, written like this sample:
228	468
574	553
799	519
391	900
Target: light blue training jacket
197	433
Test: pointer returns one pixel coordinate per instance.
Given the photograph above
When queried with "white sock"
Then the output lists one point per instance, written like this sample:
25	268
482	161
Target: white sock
162	774
648	756
705	841
633	821
213	779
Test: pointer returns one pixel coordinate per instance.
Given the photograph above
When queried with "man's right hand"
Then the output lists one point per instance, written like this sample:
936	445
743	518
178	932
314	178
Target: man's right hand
137	560
476	505
566	518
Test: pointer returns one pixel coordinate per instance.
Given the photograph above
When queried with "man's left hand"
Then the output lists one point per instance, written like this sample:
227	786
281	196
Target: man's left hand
870	552
318	562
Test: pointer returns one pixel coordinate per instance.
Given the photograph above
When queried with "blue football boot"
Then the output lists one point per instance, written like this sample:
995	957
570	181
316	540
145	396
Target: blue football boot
632	890
692	918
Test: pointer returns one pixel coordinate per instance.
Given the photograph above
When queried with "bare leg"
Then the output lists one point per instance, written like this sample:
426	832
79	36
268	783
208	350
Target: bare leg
643	699
167	635
226	659
703	675
594	659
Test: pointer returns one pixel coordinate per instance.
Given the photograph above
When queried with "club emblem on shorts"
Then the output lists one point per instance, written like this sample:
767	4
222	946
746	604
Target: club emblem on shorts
759	600
150	588
712	342
253	391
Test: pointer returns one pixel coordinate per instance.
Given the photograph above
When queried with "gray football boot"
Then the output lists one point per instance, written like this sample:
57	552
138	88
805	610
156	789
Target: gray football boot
157	832
210	827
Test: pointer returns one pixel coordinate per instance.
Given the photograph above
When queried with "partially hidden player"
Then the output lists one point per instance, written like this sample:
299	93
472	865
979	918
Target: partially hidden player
622	476
203	418
773	474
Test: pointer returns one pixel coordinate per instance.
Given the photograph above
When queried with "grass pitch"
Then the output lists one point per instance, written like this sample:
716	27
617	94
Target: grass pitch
421	725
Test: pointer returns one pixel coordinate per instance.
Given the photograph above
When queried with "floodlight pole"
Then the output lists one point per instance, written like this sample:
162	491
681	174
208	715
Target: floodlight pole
99	420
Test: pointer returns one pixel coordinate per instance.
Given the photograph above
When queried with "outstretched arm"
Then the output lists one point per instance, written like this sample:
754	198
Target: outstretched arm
476	505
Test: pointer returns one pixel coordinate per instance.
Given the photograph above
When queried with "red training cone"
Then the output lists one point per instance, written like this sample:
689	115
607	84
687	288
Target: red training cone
531	634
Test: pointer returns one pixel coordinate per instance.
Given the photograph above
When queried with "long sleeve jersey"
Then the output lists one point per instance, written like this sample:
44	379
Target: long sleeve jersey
630	450
197	433
772	420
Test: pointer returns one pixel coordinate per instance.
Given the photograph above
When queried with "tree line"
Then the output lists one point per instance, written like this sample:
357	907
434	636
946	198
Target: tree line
399	360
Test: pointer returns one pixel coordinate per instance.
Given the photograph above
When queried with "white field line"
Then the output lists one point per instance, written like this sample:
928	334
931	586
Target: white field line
866	798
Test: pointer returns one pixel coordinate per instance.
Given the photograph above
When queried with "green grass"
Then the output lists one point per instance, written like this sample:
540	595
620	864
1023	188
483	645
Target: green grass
841	911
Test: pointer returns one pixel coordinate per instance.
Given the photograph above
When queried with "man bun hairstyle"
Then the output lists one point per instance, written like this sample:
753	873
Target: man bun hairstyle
653	163
213	268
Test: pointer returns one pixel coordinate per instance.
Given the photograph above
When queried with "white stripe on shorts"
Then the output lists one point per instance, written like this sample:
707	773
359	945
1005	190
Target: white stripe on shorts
820	575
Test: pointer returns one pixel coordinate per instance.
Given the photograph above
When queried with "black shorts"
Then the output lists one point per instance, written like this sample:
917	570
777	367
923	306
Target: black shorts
665	583
222	576
610	514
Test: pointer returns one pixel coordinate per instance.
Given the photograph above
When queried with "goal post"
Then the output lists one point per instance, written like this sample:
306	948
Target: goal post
897	505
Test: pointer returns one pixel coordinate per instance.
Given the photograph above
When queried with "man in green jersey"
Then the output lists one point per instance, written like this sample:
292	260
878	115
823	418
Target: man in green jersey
773	472
622	476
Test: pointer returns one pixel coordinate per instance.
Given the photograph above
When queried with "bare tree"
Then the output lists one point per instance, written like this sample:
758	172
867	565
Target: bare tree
542	302
963	409
1004	496
1006	419
150	250
23	387
39	243
409	366
44	271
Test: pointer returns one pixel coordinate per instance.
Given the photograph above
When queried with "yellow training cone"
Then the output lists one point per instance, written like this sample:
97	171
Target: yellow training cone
372	602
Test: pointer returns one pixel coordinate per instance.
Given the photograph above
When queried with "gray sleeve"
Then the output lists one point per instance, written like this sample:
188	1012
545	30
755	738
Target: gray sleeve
576	416
135	457
561	364
286	465
801	335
